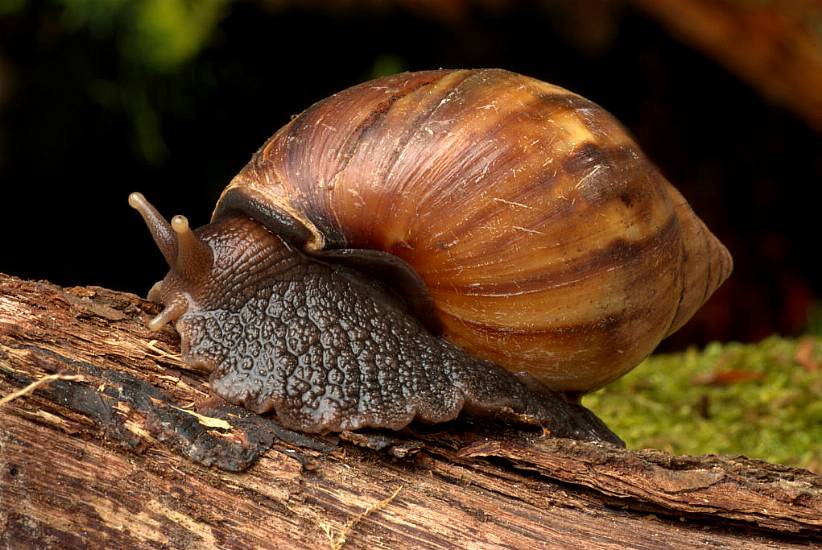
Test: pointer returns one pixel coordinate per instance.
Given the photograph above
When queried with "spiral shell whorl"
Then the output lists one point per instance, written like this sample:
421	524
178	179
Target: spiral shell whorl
547	240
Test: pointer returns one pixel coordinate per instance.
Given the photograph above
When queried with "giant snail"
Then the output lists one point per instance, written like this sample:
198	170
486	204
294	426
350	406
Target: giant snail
399	248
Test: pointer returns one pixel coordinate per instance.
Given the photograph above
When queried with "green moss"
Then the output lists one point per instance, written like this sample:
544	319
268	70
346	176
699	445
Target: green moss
759	400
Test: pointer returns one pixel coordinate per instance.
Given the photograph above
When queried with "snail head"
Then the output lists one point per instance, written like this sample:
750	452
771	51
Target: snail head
209	264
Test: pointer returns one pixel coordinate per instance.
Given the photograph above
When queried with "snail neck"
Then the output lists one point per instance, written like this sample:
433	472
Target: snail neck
232	258
223	264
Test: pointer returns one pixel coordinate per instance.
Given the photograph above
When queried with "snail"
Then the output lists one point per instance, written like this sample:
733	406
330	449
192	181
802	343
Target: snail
432	242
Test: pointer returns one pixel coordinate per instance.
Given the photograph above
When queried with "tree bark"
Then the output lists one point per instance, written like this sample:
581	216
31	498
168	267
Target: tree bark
109	452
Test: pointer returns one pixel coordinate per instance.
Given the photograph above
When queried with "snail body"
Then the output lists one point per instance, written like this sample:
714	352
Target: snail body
499	216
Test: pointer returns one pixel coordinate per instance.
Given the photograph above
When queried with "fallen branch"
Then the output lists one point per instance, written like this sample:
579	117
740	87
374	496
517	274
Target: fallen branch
776	46
135	452
37	383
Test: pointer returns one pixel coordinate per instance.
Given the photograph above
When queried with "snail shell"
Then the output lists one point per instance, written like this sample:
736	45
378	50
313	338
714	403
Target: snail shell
548	242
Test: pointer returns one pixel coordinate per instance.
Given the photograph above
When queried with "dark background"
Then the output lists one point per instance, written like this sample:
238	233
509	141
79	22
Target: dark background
88	115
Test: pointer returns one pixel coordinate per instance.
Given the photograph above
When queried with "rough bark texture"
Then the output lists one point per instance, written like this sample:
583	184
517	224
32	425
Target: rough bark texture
117	459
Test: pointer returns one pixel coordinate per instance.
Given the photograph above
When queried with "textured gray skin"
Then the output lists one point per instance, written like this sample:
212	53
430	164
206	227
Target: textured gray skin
329	350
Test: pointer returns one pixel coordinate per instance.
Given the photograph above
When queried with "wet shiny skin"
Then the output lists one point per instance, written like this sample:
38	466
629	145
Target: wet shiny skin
329	350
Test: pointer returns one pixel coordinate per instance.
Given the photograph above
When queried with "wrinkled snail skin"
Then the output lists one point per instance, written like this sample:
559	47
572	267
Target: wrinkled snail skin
401	249
323	347
548	243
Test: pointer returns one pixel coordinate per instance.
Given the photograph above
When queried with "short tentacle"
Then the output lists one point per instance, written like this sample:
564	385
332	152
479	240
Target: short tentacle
193	255
171	313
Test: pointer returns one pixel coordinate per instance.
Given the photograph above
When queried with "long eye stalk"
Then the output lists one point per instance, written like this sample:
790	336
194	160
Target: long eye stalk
160	229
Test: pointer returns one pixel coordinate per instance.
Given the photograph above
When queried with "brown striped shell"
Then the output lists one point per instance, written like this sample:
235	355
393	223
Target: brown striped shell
547	240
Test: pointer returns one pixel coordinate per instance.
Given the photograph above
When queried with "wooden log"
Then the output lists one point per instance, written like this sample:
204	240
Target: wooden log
125	447
776	46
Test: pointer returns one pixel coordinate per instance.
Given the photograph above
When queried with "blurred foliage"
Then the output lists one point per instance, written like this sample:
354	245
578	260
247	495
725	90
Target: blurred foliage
387	64
815	319
759	400
11	6
155	40
159	34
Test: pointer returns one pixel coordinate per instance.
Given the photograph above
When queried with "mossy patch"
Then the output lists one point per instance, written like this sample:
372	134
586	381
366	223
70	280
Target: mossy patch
760	400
